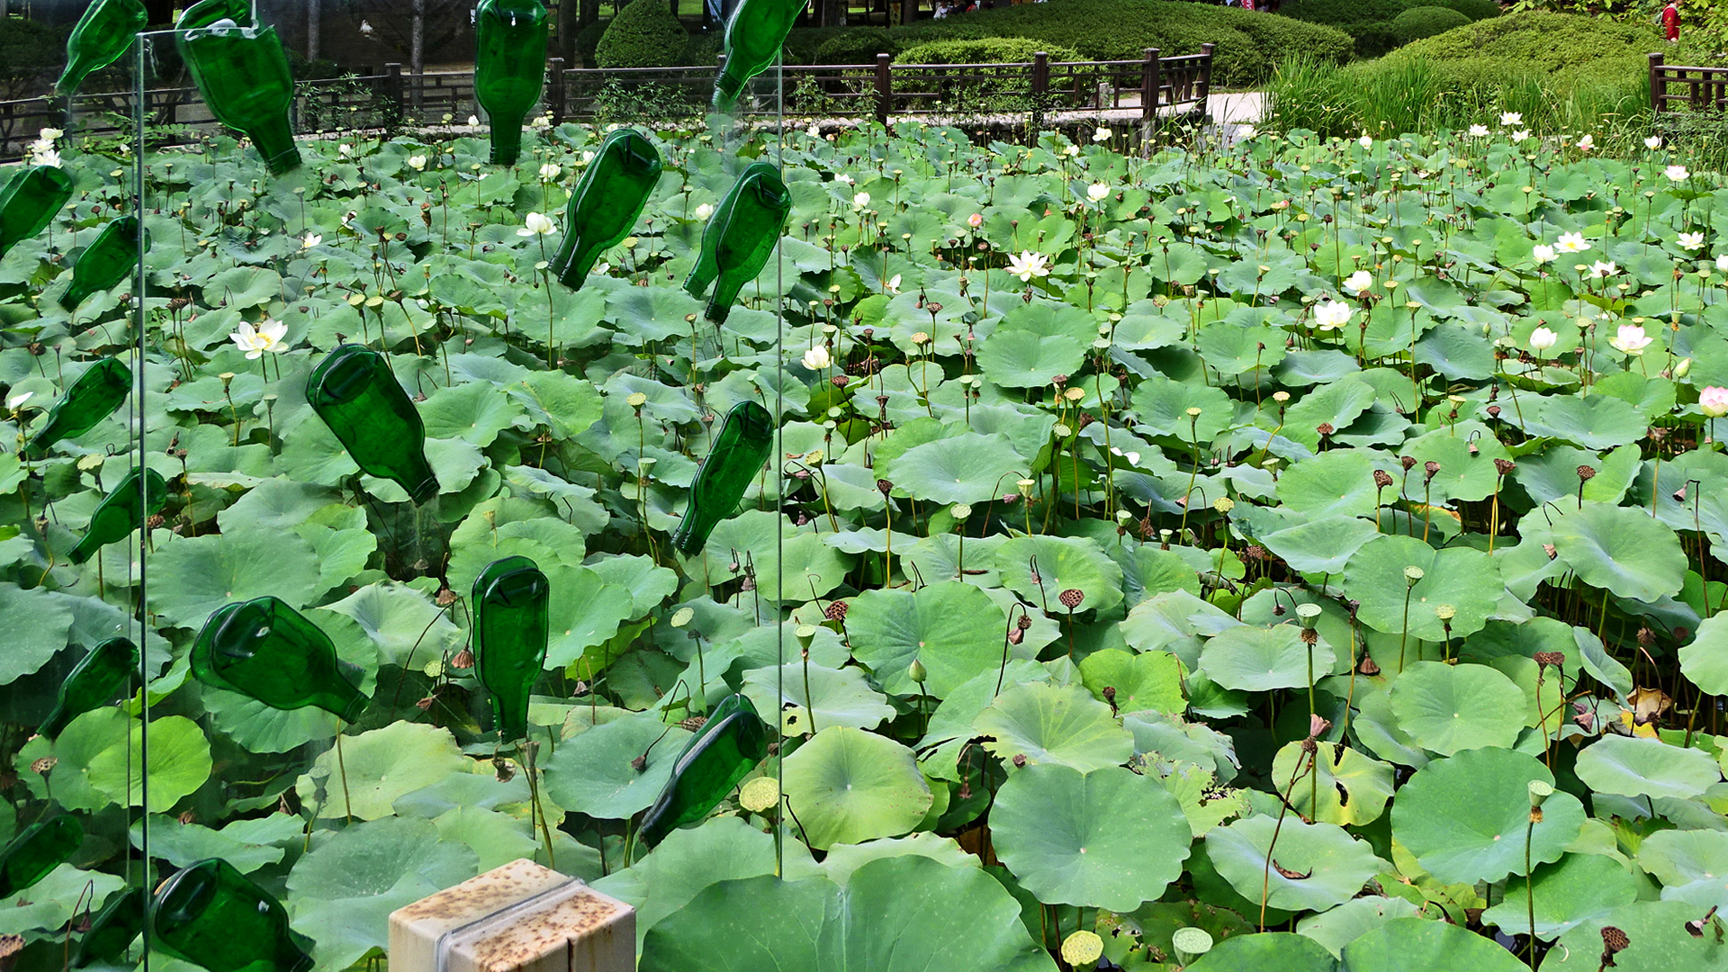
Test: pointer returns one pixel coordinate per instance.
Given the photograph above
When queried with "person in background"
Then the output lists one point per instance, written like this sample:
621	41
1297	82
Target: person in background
1671	21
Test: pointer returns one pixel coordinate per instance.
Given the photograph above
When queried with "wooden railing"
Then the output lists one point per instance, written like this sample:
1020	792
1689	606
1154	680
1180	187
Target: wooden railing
1038	91
1700	88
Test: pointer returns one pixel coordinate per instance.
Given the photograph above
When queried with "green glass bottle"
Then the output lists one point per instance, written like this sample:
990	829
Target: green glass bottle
740	448
109	259
120	512
113	930
212	915
510	631
102	35
30	201
41	848
355	394
91	398
267	650
607	203
740	237
242	72
754	36
509	68
728	746
93	682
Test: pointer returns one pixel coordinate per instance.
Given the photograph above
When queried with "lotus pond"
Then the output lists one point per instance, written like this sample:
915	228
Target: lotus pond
1308	544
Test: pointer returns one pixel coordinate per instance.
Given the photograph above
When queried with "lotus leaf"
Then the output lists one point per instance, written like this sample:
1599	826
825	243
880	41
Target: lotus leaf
1464	818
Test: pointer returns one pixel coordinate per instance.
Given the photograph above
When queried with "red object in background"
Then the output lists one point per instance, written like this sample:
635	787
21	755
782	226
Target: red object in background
1671	21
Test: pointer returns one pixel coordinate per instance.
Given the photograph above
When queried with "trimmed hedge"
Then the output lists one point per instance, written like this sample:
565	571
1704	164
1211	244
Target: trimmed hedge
993	50
1419	22
1559	43
858	46
1369	22
1248	44
1474	9
644	34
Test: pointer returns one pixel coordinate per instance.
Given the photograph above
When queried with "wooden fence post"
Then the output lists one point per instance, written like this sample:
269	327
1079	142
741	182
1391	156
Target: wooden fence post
555	90
1040	89
1150	83
1657	87
884	87
1205	77
393	87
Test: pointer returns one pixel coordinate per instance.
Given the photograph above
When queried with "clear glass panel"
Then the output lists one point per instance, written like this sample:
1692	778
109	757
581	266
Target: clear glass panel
408	400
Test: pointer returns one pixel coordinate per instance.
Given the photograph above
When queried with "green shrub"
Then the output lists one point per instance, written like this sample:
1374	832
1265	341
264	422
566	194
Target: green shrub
1368	21
1474	9
31	56
995	50
858	46
588	39
1548	41
1419	22
644	34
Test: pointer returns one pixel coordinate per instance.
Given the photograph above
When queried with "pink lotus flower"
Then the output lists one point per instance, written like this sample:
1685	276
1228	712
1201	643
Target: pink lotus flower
1713	401
976	220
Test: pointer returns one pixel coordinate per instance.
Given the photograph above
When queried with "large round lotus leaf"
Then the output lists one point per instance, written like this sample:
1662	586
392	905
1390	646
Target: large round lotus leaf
1342	925
1572	890
1335	483
380	766
689	859
1705	660
1464	817
954	630
1266	952
1322	545
60	896
1450	708
838	697
846	786
1313	866
595	773
1657	941
1039	569
194	576
1621	549
1350	787
1150	680
1110	838
95	761
1017	358
967	468
1254	659
342	892
845	859
1054	724
1638	767
1691	864
901	914
1409	944
1464	578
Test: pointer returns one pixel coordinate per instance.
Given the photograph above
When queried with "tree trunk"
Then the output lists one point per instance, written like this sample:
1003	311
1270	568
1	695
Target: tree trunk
314	26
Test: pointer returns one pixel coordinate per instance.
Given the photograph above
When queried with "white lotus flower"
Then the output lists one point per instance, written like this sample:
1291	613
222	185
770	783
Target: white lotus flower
1478	131
1722	263
1542	339
548	172
813	131
817	359
1542	253
1071	151
49	134
1600	269
311	240
860	200
1520	135
1586	143
1097	191
1101	135
536	224
1572	243
1359	282
345	150
1028	265
267	336
843	177
1332	314
1692	241
1713	401
704	211
893	284
1677	173
47	157
417	162
1510	118
1365	141
1630	339
17	400
474	119
1653	142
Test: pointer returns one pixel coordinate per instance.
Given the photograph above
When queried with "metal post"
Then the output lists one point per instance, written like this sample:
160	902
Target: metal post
884	88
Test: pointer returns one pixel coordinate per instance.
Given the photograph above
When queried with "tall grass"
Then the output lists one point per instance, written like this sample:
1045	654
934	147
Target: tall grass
1395	96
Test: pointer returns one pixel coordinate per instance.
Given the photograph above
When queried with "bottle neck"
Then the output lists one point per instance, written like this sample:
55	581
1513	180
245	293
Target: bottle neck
275	141
506	141
421	483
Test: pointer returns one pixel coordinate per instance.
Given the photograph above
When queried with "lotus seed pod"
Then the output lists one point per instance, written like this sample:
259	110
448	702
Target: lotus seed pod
1308	614
1082	948
1540	790
1191	943
1413	575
